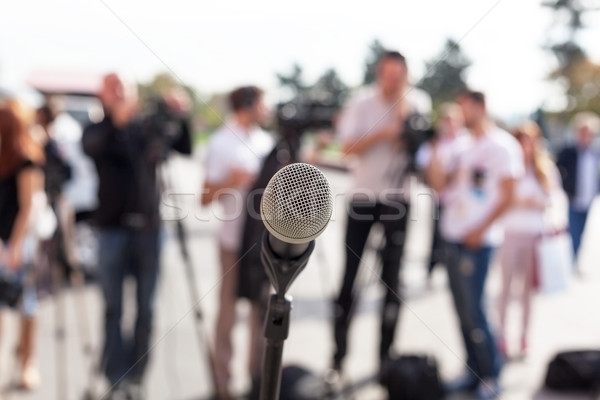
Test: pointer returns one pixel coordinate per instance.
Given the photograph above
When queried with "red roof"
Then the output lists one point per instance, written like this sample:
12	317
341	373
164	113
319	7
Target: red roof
65	82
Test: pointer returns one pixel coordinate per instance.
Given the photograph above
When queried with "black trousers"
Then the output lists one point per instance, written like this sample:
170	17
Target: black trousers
361	218
437	245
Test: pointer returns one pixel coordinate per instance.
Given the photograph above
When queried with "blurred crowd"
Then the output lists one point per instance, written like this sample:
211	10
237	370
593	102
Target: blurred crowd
497	188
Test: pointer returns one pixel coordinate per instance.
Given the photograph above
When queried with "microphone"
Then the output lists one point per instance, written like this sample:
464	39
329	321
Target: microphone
295	207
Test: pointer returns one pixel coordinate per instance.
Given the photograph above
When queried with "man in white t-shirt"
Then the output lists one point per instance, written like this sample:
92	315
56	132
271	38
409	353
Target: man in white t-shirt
476	193
234	158
370	131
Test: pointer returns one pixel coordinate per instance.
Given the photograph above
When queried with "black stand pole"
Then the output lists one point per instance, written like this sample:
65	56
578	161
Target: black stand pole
277	327
281	272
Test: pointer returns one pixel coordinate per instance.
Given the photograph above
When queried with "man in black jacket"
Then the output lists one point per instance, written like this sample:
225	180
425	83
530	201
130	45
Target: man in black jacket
579	168
127	150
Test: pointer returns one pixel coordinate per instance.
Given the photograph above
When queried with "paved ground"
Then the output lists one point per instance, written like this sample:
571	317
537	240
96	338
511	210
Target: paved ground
178	370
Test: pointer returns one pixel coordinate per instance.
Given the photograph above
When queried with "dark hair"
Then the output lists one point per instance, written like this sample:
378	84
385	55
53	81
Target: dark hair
244	97
473	95
392	55
17	144
48	113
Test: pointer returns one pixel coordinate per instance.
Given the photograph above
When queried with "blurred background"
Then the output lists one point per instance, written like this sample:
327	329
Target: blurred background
533	59
526	56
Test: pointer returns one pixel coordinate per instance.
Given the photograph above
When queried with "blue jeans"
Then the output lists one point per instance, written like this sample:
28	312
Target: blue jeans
126	252
467	272
577	220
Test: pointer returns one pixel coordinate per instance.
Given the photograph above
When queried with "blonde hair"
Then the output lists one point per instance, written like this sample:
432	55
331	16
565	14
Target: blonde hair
541	159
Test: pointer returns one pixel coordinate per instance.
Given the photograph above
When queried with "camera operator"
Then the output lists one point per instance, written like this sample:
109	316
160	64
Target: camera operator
371	129
127	150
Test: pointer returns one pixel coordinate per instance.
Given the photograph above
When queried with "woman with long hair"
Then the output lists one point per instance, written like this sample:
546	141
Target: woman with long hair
523	224
20	178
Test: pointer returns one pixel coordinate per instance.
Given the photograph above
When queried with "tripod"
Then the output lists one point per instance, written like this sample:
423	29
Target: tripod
193	290
62	271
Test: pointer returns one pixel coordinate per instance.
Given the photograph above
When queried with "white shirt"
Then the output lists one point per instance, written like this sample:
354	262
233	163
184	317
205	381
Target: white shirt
82	189
587	178
376	171
475	190
527	220
232	148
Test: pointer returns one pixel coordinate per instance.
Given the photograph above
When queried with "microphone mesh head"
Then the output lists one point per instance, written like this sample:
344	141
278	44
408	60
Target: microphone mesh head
296	205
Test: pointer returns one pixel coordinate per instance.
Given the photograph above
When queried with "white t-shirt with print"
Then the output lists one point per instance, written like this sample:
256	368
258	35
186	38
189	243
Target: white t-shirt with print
475	189
231	148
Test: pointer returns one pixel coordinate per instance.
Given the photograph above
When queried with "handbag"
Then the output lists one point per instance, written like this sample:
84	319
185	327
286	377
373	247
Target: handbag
413	377
42	221
554	261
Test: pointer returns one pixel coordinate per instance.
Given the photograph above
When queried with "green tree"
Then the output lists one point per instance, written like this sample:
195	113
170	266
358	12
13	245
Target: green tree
209	112
576	73
376	49
445	74
206	111
574	11
329	89
294	81
581	79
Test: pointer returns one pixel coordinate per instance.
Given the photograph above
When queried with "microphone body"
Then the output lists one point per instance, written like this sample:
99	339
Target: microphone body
296	207
285	250
284	264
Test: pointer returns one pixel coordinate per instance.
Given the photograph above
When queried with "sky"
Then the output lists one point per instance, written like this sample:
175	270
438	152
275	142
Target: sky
214	46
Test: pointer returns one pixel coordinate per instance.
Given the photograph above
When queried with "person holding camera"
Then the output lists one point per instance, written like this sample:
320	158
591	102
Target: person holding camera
127	149
477	190
233	160
21	178
370	131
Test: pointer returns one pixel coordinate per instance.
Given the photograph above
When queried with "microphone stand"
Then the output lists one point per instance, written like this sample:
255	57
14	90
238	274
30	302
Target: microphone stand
281	272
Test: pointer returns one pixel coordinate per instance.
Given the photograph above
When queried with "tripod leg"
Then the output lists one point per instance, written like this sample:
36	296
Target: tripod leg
59	330
78	283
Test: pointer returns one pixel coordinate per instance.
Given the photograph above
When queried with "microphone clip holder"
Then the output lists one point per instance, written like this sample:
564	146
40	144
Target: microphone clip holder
282	271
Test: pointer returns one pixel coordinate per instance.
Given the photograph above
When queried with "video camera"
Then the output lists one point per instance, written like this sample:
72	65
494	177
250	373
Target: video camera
160	126
298	116
159	121
417	130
